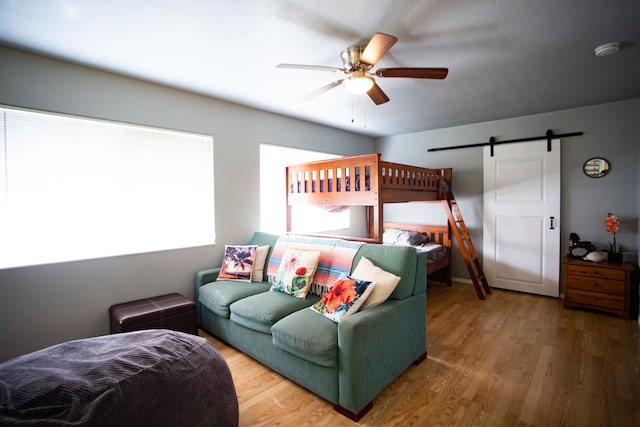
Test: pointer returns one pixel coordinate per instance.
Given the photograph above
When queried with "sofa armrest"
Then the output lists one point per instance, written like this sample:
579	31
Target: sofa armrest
378	344
206	276
202	278
421	275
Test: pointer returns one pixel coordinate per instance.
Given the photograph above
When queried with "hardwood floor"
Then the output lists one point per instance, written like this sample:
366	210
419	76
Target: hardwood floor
511	360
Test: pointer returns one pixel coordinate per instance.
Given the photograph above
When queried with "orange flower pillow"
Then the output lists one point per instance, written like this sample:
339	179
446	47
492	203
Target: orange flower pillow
344	298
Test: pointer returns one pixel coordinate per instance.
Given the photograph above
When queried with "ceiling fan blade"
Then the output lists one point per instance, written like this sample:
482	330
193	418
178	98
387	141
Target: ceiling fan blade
414	73
311	67
322	90
379	44
377	95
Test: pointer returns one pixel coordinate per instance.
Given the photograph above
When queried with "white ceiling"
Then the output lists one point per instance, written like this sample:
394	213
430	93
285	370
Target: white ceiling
506	58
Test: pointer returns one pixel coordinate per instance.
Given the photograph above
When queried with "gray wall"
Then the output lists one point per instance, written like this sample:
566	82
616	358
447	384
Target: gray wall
610	131
48	304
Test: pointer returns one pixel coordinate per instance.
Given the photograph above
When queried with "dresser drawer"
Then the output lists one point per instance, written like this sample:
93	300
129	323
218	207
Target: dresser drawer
605	273
615	302
596	284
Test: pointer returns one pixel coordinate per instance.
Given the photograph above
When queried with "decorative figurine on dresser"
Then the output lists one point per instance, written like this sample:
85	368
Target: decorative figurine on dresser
579	249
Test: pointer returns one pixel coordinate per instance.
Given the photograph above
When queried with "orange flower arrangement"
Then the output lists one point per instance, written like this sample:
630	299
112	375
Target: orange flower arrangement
613	226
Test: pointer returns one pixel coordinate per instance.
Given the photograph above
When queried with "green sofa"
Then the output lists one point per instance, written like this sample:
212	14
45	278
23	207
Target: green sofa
347	363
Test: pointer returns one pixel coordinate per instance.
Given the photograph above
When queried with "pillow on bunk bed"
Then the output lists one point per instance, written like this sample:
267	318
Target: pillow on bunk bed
257	275
344	298
296	271
385	282
238	262
393	236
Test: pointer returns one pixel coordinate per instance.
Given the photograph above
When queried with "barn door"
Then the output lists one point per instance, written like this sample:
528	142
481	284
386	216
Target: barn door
521	241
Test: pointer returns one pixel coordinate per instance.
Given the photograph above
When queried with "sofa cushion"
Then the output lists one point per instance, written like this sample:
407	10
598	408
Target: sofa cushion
309	336
261	239
218	296
259	312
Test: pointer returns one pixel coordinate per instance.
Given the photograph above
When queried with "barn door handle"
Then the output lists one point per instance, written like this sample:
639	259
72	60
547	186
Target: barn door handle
551	227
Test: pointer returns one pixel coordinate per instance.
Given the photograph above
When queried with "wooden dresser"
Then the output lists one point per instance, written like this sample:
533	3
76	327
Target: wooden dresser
601	286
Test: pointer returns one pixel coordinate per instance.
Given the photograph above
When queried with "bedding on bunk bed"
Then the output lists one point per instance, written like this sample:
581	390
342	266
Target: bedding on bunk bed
420	241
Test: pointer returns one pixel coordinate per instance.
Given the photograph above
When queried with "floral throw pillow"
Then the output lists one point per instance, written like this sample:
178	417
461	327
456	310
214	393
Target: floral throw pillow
344	298
237	263
296	271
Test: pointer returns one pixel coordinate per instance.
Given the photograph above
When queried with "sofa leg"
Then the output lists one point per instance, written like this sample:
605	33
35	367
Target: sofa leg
420	359
355	416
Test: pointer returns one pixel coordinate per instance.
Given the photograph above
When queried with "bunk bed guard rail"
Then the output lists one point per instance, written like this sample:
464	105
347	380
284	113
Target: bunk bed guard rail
359	180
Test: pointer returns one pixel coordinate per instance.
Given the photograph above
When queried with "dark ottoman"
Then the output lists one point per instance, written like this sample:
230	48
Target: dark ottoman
142	378
171	311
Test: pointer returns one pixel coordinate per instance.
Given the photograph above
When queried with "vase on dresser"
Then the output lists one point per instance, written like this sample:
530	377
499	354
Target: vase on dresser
614	257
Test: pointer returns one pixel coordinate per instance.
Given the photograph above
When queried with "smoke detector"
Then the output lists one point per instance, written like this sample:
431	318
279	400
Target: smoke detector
607	49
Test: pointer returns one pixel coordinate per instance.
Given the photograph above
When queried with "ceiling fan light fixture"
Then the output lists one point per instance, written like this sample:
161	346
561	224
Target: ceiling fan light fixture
358	84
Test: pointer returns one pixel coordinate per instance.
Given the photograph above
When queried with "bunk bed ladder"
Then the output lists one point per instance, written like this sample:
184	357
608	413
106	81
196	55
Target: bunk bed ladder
466	247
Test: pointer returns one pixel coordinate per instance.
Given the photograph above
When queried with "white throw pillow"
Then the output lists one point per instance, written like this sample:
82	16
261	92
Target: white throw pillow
257	275
385	282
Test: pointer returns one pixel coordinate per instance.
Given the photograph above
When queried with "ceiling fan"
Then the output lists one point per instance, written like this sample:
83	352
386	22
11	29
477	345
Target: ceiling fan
358	62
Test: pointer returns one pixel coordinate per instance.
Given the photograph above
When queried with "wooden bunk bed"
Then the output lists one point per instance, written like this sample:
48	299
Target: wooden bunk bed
367	181
364	181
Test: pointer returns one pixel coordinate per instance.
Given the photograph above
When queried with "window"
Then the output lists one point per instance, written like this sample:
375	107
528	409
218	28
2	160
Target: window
306	219
73	188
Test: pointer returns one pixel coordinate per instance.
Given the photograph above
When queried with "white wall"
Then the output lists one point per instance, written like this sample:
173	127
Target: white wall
610	131
44	305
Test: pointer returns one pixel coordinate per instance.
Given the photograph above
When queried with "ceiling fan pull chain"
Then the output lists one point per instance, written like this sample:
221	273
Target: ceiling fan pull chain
353	97
364	111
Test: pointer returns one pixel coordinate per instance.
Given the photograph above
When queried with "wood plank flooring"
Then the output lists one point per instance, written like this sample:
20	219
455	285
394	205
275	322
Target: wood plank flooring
511	360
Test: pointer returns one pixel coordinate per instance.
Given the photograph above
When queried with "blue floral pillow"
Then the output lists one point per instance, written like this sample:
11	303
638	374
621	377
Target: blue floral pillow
344	298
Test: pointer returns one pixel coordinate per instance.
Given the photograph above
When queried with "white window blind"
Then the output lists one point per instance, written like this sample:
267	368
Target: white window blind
75	189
